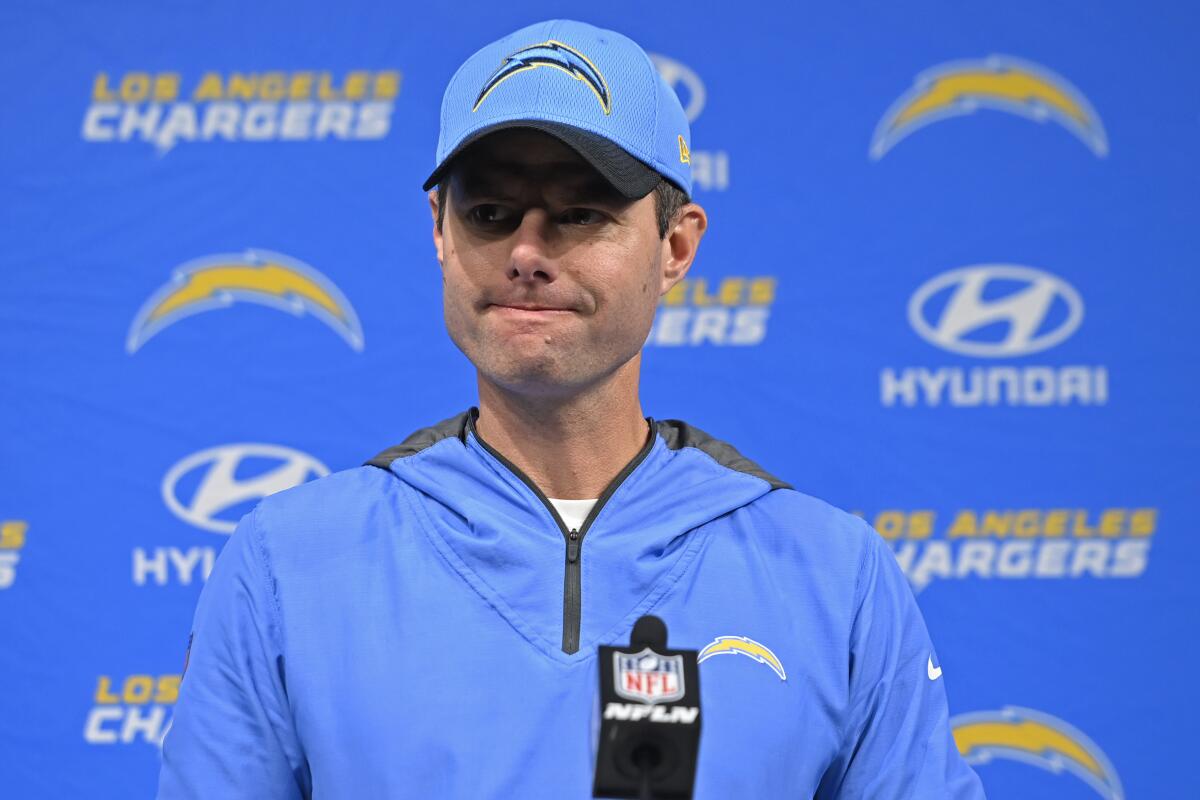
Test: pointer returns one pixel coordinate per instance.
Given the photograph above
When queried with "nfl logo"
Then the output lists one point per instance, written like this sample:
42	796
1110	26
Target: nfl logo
648	677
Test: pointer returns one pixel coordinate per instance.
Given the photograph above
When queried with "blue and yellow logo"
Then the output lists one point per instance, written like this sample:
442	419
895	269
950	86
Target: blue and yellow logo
742	645
1021	734
1003	83
255	276
555	54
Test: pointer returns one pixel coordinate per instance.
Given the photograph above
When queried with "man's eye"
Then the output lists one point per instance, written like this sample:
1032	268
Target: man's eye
490	213
581	216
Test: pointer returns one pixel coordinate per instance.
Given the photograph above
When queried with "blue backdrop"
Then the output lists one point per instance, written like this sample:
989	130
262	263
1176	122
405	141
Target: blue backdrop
949	284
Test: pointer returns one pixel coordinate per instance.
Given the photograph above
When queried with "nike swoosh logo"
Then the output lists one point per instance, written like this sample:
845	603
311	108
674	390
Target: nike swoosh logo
934	672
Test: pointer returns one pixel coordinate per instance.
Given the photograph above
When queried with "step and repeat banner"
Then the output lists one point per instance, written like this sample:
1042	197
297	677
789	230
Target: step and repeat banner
950	284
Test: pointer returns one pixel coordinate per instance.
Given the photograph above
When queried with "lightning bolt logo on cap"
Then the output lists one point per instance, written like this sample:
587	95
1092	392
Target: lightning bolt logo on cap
255	276
743	645
550	53
1003	83
1021	734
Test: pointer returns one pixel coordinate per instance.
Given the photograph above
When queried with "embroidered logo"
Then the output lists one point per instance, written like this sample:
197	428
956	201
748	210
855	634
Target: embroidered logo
743	645
555	54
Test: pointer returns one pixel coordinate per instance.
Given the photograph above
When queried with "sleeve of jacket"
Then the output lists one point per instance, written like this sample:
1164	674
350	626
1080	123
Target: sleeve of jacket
232	735
897	742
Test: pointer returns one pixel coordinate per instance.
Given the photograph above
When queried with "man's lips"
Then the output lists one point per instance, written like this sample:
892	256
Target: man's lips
529	309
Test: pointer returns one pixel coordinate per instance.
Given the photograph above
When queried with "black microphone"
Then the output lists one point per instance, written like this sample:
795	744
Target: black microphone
649	718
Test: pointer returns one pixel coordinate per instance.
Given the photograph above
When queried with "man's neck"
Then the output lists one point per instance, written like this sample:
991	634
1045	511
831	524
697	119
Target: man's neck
571	447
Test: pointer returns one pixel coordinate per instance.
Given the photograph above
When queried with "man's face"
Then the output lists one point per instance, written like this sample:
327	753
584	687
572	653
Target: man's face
550	276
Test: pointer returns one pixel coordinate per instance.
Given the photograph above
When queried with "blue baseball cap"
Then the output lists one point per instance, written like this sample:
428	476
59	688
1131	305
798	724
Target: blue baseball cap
593	89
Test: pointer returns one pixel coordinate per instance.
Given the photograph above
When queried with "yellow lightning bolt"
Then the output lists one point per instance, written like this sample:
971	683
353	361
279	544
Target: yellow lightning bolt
12	534
747	647
1015	86
1026	736
269	278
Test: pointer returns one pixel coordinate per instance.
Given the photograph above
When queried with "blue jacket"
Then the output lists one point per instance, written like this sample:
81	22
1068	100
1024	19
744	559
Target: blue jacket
424	626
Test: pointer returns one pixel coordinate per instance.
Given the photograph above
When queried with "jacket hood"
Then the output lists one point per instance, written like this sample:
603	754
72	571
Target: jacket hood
496	528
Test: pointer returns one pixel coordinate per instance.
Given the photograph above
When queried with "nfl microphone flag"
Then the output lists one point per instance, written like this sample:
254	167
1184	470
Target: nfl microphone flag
650	720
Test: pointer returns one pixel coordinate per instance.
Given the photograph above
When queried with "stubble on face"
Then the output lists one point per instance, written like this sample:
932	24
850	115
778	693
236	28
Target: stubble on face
550	277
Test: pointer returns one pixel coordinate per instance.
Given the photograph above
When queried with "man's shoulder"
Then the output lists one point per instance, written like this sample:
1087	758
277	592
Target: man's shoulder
422	439
342	503
810	528
678	435
785	520
784	510
341	495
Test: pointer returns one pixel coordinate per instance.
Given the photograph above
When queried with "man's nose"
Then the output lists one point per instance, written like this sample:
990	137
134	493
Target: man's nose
531	259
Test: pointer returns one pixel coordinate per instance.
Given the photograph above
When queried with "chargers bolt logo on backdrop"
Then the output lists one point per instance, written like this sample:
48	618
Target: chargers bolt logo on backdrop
255	276
1032	737
555	54
742	645
648	677
213	488
971	306
1003	83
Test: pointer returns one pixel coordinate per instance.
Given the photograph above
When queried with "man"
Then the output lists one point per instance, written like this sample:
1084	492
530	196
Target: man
426	625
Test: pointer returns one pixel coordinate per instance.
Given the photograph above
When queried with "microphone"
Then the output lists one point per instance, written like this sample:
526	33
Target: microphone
650	718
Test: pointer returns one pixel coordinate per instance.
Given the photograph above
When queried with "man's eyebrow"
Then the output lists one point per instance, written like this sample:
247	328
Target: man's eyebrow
476	184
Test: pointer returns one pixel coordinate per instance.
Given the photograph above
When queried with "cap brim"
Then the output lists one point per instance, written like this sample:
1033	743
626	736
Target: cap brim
630	176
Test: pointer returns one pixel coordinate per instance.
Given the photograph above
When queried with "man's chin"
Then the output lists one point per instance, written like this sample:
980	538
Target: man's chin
544	377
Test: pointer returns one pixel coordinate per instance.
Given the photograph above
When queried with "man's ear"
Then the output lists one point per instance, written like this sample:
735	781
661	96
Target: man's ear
437	231
681	243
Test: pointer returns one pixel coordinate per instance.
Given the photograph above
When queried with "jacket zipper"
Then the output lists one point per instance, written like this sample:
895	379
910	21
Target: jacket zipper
573	538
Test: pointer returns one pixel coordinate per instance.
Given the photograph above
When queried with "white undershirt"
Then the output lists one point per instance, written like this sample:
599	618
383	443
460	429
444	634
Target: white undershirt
573	512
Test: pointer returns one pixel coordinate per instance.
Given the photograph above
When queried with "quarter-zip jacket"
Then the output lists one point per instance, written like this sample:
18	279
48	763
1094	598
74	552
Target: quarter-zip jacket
425	626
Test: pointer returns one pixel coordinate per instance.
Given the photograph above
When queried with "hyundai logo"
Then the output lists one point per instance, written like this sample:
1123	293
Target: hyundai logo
680	76
212	489
995	310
